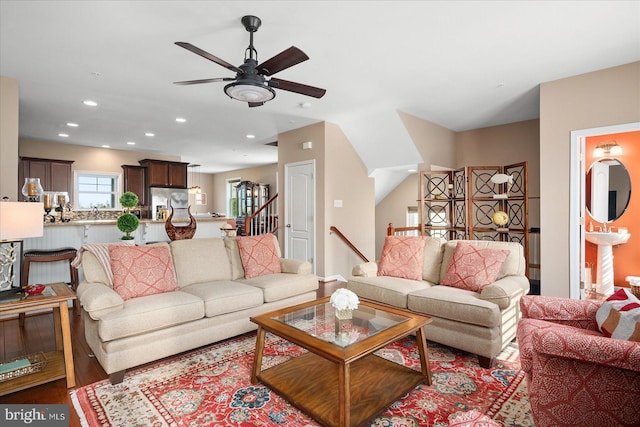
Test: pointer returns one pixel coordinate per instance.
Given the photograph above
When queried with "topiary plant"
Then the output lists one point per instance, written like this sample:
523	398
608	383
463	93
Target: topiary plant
127	223
129	200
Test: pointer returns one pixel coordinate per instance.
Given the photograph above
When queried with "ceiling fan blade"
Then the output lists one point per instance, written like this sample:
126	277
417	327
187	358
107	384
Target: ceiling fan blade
195	82
315	92
285	59
255	104
209	56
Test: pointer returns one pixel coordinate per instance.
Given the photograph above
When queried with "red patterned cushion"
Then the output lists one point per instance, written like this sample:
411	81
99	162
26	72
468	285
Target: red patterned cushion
619	316
258	255
472	267
402	256
142	270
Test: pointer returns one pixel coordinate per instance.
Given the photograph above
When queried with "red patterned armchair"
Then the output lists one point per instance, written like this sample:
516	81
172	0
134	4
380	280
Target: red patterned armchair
576	375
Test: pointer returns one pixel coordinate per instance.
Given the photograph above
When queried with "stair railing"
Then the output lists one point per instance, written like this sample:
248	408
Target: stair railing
403	231
264	220
348	243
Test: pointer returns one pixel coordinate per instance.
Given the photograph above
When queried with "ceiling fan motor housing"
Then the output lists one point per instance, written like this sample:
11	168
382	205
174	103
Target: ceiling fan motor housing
251	23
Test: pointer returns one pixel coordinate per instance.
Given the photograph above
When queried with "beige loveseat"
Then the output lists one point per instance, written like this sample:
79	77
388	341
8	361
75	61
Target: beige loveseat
481	323
214	302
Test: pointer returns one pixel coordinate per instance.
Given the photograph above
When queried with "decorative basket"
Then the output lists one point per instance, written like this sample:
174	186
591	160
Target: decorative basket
37	363
635	289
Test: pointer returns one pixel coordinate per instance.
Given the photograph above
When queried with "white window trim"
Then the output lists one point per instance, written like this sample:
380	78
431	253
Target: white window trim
76	187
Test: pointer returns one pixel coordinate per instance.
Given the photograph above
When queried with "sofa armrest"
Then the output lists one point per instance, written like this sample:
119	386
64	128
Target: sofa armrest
295	266
367	269
502	292
98	299
569	344
572	312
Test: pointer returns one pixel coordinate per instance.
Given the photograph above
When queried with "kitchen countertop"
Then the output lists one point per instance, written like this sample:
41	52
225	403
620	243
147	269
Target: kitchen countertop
113	221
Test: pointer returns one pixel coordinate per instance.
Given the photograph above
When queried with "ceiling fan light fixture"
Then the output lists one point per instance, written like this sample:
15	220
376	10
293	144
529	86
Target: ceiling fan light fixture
249	92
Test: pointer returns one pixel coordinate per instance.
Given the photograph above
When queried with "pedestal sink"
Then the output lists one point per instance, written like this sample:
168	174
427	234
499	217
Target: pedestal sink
605	242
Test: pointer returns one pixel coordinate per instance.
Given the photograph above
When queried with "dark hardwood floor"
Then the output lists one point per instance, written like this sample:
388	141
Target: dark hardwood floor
37	335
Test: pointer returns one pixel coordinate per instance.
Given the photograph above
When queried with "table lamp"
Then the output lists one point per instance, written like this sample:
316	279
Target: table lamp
18	221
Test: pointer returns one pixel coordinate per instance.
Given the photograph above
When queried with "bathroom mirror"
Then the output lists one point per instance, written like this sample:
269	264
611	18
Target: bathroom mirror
608	190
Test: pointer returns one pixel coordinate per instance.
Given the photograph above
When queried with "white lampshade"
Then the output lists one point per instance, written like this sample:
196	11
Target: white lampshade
21	220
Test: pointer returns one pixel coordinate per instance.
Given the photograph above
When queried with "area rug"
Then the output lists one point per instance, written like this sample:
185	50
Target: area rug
211	387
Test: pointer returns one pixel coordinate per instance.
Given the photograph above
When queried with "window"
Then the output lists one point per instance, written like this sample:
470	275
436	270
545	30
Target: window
97	190
232	197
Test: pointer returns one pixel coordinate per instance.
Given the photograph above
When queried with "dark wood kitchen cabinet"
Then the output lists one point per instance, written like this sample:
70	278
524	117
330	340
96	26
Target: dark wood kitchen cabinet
55	175
134	181
161	173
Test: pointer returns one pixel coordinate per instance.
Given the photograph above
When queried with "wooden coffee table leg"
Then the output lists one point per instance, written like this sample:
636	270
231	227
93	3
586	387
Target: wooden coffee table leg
344	393
424	354
257	358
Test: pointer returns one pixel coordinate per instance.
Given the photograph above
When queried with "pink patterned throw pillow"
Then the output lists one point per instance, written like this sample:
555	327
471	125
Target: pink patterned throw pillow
619	316
473	267
402	256
142	270
258	255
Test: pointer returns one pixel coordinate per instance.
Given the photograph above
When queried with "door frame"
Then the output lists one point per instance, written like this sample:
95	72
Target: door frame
287	208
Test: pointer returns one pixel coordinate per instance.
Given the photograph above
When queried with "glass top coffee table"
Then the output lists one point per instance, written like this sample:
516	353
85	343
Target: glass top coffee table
339	381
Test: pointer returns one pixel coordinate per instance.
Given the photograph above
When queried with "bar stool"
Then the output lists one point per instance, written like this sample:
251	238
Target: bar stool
53	255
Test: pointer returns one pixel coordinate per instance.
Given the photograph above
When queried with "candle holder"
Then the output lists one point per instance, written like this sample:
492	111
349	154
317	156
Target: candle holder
32	189
47	199
62	198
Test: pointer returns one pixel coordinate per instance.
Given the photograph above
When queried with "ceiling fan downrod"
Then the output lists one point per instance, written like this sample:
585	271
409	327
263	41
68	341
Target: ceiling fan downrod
251	24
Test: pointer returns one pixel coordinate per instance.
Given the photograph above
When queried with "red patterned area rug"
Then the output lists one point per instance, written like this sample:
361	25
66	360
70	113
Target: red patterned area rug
211	387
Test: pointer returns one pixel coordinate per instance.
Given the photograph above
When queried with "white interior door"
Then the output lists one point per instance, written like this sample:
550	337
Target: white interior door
300	211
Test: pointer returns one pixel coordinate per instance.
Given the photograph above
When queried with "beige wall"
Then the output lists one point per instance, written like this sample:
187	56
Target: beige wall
503	145
346	180
339	175
602	98
9	138
267	174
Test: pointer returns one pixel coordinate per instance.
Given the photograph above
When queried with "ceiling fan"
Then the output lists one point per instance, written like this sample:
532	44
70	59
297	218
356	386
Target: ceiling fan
253	82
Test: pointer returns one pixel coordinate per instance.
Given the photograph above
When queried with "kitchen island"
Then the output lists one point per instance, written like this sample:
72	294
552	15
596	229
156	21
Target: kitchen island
74	234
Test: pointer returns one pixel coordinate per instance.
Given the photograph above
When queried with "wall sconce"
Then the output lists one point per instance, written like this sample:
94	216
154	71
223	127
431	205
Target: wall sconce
610	148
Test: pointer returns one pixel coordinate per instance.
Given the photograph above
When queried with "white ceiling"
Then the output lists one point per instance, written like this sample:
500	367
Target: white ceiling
461	65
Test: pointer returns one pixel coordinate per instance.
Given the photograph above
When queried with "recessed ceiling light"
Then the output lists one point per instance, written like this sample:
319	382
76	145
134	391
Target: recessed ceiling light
411	170
149	134
90	103
249	136
64	135
180	120
105	146
72	125
131	143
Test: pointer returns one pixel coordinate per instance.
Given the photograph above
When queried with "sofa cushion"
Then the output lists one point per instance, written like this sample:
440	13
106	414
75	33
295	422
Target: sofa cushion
150	313
200	260
402	256
472	267
455	304
387	290
259	255
142	270
221	296
619	316
279	286
514	265
433	251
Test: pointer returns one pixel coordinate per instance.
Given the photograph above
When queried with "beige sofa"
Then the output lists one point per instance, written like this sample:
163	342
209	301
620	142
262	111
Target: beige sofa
214	302
481	323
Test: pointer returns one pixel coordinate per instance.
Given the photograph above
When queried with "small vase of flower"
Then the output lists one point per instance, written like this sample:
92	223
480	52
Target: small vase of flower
344	302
